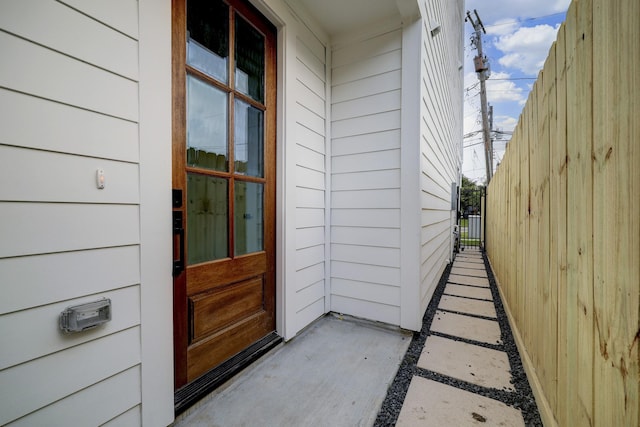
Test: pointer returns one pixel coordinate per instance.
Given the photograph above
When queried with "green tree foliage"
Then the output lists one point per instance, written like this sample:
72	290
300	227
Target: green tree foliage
470	195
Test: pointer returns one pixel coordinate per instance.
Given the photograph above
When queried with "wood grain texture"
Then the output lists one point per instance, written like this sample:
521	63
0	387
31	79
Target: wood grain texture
576	313
214	301
580	204
212	311
559	235
616	183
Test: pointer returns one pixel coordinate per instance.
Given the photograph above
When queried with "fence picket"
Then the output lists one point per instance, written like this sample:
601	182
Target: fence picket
564	221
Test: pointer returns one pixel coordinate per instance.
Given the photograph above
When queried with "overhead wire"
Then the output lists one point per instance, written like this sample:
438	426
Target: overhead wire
525	20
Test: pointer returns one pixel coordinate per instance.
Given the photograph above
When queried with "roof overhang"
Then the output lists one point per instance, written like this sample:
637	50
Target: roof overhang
342	16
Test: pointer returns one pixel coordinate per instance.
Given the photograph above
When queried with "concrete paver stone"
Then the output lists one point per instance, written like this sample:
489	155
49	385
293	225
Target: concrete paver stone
468	306
472	328
467	254
468	291
471	363
468	280
430	403
473	272
470	258
467	264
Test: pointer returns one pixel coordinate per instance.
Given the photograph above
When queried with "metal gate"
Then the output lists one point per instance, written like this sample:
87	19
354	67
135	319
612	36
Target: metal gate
471	219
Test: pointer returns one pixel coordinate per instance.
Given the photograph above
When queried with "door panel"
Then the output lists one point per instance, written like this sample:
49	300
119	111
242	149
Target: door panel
215	310
224	164
226	343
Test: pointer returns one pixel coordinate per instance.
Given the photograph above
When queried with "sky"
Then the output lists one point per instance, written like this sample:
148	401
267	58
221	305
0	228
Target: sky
519	35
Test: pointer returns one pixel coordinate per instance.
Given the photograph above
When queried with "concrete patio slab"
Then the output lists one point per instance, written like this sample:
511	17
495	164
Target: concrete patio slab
472	272
335	373
468	291
467	280
430	403
468	327
471	363
469	306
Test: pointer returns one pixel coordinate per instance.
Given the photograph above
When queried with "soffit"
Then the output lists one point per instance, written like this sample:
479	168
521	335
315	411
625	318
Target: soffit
341	16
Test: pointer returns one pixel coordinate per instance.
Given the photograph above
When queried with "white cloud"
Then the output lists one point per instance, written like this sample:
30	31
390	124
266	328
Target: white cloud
527	48
503	26
499	89
505	123
503	90
495	10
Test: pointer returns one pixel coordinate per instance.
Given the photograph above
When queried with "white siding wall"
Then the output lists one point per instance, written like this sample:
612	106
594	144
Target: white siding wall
441	136
302	167
365	176
310	179
69	107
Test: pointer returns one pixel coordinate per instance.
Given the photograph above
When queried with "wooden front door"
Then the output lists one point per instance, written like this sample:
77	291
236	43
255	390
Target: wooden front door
224	182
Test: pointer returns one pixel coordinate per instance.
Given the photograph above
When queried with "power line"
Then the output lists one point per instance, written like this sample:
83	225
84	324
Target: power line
526	20
516	78
475	85
473	145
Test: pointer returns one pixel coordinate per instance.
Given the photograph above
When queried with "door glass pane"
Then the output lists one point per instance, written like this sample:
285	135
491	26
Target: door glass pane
249	221
206	126
249	132
207	218
208	37
249	60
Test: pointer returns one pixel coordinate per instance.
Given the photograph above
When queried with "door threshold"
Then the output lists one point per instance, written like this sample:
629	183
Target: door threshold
196	390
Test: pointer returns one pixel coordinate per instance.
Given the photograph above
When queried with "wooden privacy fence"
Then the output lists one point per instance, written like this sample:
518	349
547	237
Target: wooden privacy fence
563	224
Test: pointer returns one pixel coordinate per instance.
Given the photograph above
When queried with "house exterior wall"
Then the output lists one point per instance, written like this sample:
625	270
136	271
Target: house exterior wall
396	134
301	295
69	108
440	136
365	175
73	107
310	178
88	86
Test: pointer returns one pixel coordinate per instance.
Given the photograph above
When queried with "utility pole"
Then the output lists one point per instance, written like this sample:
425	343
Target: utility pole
482	71
491	136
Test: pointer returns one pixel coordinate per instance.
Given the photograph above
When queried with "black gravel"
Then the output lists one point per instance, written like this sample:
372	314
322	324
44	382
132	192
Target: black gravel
522	398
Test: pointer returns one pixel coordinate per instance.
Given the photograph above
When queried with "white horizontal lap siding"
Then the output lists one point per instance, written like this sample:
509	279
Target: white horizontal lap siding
69	96
365	176
310	179
117	395
441	92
